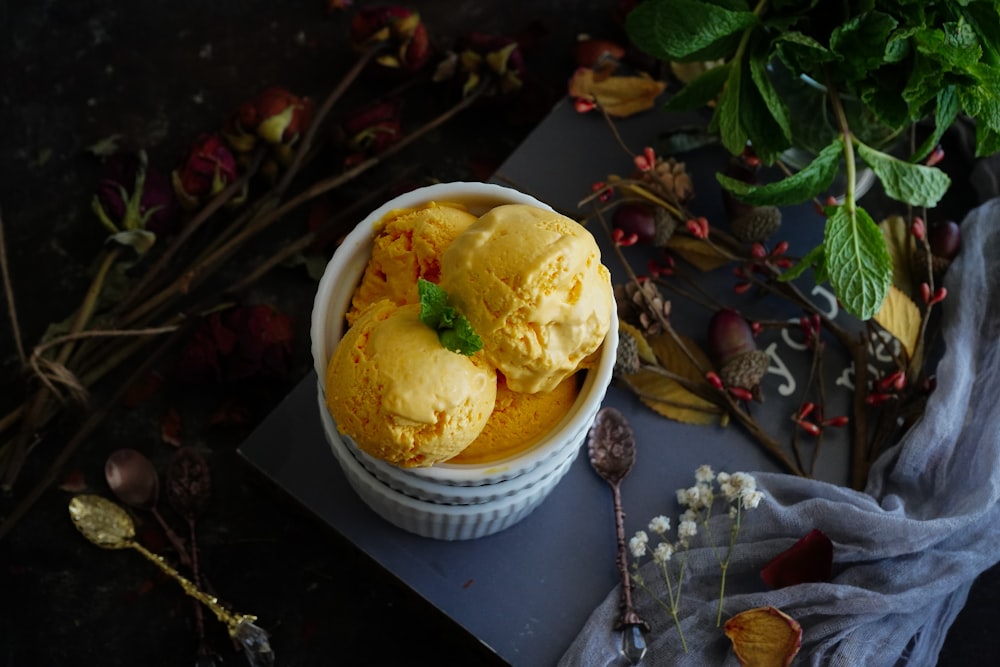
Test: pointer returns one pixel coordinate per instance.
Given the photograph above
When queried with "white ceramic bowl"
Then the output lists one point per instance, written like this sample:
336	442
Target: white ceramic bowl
512	482
436	520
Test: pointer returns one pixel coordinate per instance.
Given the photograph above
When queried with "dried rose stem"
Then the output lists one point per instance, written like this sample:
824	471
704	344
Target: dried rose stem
94	419
321	113
8	288
190	279
138	291
37	403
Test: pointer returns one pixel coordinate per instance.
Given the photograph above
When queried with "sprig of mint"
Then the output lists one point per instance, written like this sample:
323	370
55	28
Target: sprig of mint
453	329
904	60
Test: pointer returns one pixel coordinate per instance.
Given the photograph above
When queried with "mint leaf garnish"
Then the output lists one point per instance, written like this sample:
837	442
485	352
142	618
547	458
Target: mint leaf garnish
857	260
454	331
687	30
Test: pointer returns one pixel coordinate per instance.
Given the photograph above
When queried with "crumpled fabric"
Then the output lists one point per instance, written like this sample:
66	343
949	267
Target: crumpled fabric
906	551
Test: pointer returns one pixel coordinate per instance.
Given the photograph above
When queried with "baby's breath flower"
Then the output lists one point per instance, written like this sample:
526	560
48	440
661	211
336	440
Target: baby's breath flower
659	524
704	474
744	481
729	490
682	498
689	515
752	499
637	545
687	529
663	552
722	477
733	512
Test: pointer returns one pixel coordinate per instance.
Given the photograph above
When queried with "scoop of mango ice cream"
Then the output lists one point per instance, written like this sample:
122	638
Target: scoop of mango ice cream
532	285
408	246
519	421
400	395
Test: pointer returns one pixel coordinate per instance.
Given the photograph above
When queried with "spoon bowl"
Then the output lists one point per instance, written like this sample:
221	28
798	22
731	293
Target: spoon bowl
132	478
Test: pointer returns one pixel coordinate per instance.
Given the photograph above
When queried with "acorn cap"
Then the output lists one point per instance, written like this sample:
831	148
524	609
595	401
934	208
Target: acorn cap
664	226
745	370
627	359
757	224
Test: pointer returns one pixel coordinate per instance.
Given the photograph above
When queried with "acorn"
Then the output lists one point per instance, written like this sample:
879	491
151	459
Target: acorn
756	224
945	241
636	218
732	347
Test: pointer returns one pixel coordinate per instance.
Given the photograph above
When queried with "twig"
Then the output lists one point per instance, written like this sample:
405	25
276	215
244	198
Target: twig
8	289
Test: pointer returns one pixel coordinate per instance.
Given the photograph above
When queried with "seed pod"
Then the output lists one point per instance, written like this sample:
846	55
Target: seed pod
664	226
627	359
757	224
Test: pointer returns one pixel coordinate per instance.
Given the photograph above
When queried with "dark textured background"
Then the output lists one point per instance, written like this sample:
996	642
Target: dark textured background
158	73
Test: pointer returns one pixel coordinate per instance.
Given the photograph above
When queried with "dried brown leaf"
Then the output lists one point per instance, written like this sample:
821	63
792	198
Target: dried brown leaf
619	96
901	318
697	253
689	361
764	637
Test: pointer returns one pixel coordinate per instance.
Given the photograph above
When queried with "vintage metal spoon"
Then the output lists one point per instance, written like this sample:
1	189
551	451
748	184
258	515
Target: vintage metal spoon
133	479
611	447
110	527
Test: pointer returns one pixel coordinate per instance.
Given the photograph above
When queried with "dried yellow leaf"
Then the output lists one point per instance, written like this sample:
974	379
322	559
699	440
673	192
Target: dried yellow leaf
697	253
669	399
688	72
689	361
764	637
619	96
901	318
644	350
901	247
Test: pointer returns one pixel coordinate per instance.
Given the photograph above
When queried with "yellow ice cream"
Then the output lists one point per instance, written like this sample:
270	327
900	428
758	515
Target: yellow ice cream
519	421
408	246
532	284
400	395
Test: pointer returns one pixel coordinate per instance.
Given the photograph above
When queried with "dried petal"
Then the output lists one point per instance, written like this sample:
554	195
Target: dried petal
619	96
808	560
764	637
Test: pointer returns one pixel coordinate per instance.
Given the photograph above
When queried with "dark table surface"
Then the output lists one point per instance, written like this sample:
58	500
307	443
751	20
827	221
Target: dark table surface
157	74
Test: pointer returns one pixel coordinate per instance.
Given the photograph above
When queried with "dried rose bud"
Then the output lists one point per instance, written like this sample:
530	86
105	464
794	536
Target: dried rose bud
592	53
206	170
238	343
482	55
135	201
275	115
373	129
732	347
410	46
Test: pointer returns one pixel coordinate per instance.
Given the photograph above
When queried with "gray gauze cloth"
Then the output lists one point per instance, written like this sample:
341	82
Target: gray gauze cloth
905	552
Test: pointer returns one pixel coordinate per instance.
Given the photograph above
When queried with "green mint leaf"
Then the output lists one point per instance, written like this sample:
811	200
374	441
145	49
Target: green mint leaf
433	303
914	184
812	180
763	113
954	46
984	19
734	137
700	91
857	260
454	331
861	42
800	52
946	111
462	338
686	30
813	258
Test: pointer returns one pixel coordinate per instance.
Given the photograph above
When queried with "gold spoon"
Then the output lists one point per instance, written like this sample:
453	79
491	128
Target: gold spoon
110	527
